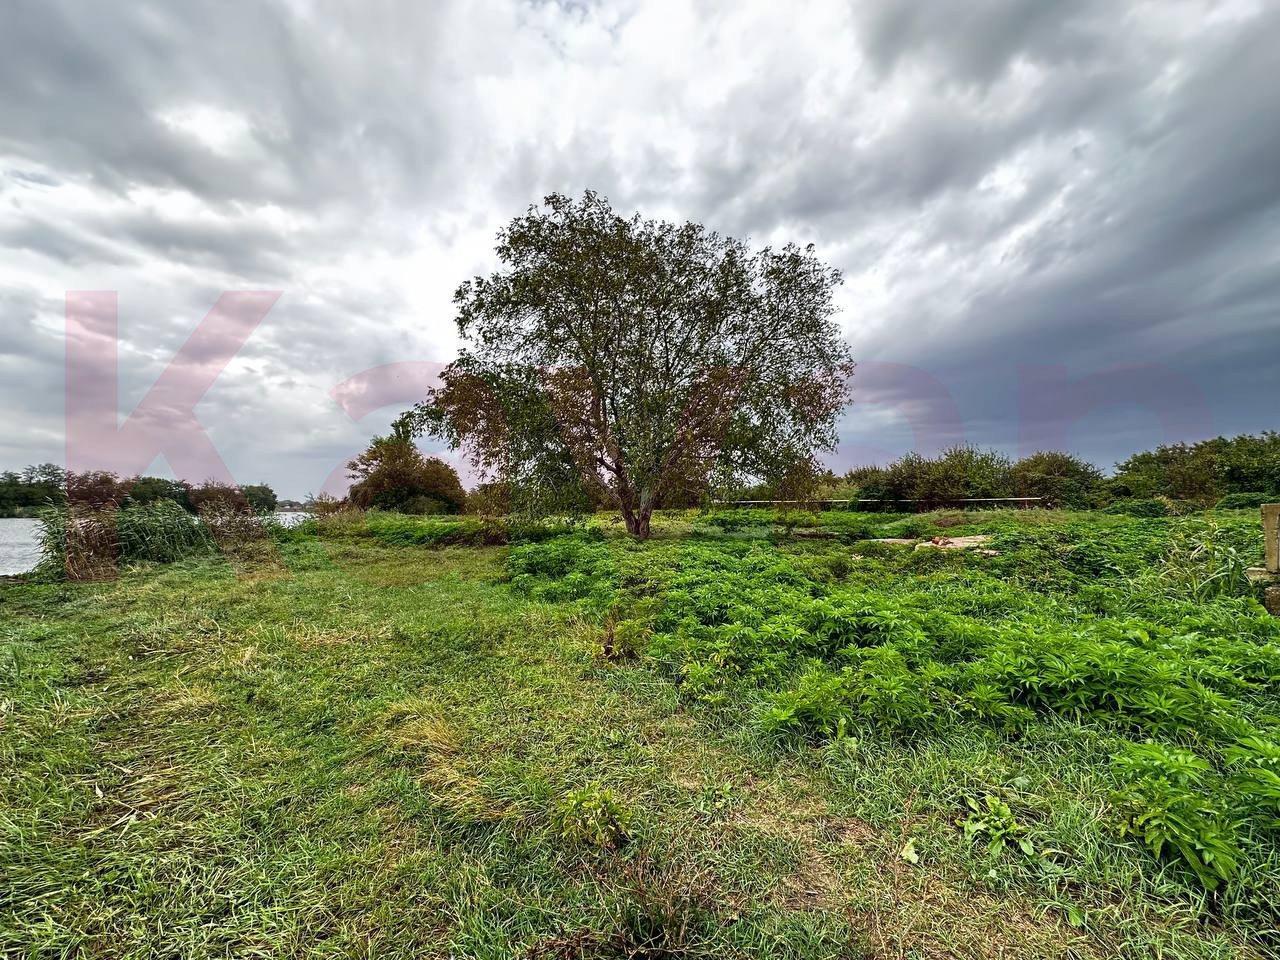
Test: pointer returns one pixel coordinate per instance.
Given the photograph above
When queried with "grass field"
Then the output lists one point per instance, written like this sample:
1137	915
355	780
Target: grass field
749	736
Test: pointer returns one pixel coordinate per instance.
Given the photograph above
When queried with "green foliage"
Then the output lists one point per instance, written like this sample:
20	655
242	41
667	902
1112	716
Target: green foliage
82	544
593	817
261	498
392	474
1246	501
1141	507
25	493
1060	478
640	361
1140	627
48	485
1204	562
1203	472
1166	803
959	473
991	819
1255	767
1152	483
490	500
967	473
397	529
146	490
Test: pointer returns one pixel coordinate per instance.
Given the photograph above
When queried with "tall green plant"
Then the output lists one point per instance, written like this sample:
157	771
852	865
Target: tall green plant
85	544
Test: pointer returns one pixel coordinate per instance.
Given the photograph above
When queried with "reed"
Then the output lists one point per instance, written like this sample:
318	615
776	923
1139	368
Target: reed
86	544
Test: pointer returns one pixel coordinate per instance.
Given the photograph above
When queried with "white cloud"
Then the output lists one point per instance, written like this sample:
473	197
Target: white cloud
994	179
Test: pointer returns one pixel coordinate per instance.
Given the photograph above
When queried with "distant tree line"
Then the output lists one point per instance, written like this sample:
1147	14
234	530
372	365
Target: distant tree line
392	474
26	492
1240	471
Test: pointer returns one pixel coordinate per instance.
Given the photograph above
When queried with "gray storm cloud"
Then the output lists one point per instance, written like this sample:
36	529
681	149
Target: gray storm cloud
1058	223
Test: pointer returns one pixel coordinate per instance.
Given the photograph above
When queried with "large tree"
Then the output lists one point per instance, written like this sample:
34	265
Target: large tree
623	358
392	474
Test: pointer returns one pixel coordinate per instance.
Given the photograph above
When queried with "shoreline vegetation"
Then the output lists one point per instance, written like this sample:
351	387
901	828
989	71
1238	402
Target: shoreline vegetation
756	733
26	494
1232	473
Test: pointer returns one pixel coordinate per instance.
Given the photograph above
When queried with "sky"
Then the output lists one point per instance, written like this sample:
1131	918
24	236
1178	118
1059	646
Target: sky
1059	224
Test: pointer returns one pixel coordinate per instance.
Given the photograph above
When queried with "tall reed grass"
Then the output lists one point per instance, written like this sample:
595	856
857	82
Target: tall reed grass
85	544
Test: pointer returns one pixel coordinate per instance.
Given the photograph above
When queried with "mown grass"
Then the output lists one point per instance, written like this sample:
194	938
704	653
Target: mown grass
360	746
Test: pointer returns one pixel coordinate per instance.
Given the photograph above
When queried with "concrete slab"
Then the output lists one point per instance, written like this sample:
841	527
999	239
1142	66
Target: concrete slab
1271	535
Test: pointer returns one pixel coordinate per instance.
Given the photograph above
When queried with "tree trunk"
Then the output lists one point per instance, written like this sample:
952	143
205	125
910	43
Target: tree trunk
637	521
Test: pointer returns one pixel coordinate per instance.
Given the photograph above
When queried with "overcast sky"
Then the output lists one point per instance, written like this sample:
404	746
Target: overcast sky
1059	223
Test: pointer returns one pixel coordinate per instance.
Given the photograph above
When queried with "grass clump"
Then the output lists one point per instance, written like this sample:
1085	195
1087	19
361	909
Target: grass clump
90	544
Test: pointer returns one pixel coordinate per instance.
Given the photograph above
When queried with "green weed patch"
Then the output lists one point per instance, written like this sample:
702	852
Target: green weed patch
1142	629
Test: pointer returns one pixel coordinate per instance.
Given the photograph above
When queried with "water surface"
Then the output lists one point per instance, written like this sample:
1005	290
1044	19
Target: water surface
19	549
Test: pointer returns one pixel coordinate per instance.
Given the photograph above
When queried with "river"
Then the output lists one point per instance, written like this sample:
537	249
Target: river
19	548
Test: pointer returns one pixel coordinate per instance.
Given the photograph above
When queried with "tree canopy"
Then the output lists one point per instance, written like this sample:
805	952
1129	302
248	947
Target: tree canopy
392	474
631	360
47	484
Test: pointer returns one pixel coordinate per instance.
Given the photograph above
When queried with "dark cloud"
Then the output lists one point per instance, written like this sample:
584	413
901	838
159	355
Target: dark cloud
1025	197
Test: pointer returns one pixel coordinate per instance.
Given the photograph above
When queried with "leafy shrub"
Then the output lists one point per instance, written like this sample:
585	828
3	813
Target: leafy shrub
1203	564
1166	804
393	475
960	473
214	497
992	819
1246	501
1060	478
1255	765
593	817
1203	472
1148	507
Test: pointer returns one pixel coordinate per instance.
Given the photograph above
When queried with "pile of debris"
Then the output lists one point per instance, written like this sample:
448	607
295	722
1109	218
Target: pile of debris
945	543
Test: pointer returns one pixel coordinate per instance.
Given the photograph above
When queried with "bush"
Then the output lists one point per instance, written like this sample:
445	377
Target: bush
491	499
960	473
1060	478
593	817
1203	472
1165	804
1246	501
214	497
393	475
1146	507
262	499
